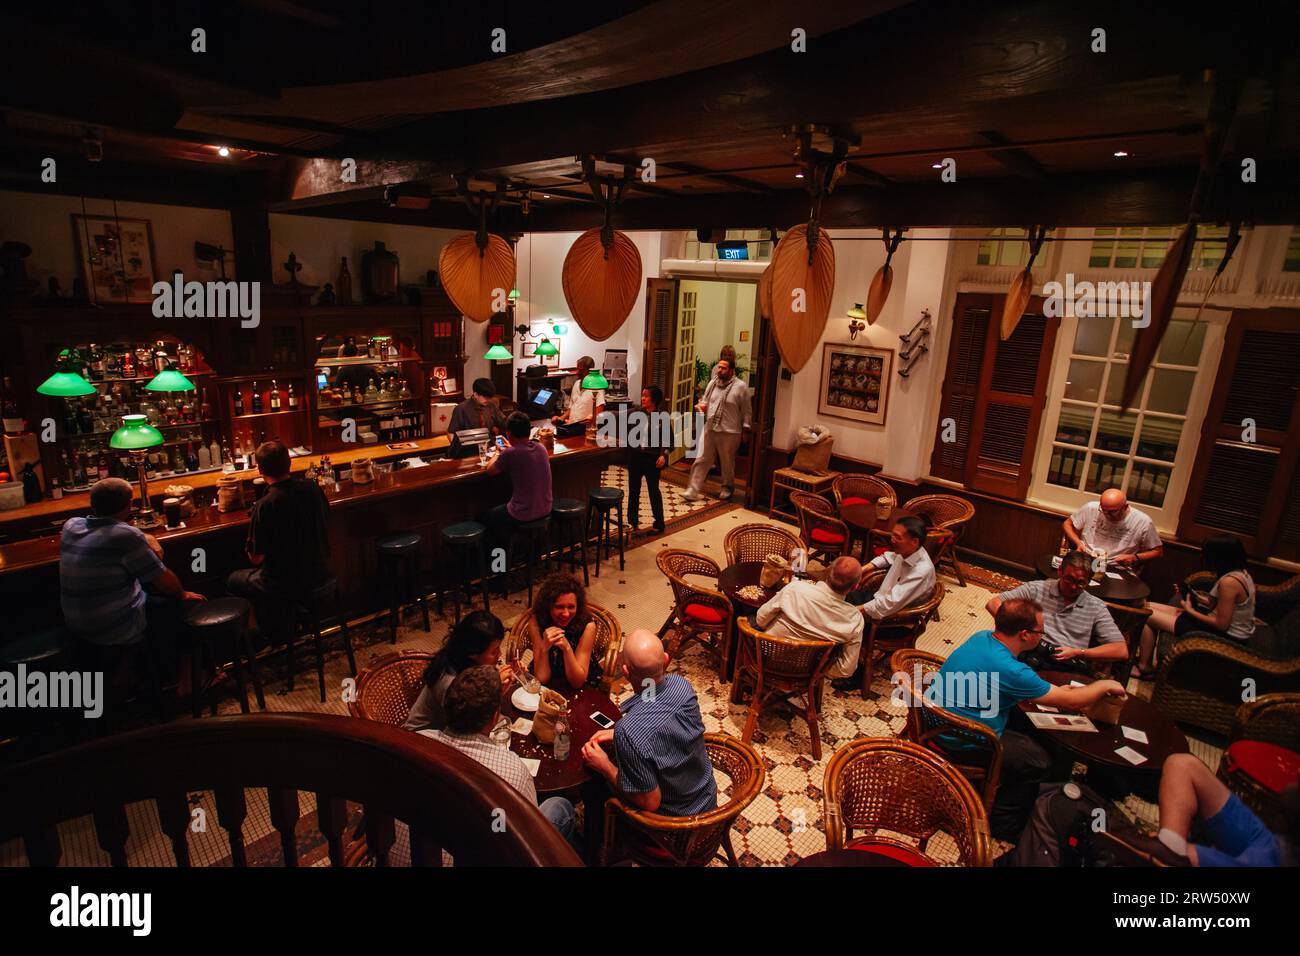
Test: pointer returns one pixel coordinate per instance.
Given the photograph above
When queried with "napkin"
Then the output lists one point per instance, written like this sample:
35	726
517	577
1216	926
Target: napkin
532	763
522	726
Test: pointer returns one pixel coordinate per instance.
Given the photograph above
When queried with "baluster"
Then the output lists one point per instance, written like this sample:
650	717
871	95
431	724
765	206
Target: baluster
231	811
380	835
424	849
43	847
332	818
174	817
285	811
112	829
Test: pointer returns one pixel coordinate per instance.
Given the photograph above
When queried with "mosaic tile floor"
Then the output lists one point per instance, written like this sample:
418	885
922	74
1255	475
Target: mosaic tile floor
783	824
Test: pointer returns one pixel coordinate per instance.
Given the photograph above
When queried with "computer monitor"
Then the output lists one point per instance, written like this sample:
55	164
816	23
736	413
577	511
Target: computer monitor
542	404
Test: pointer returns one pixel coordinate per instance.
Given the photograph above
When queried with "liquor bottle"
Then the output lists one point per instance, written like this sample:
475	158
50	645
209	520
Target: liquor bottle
293	398
178	459
257	400
96	363
78	472
227	460
344	285
357	397
239	402
372	391
160	361
204	457
406	390
56	489
275	396
31	485
214	454
111	368
128	365
103	463
191	459
205	410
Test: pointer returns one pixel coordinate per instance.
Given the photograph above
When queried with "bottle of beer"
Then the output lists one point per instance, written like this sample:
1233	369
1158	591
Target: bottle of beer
257	400
293	398
239	402
275	396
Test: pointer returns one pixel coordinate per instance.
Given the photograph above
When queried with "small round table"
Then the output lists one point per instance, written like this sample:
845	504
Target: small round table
864	520
1098	749
1128	588
561	776
730	581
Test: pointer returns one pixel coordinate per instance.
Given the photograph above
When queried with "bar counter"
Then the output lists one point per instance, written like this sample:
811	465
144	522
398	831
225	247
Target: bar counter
413	499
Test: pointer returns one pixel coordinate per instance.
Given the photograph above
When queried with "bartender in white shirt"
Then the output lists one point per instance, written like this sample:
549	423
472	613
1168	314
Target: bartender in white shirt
585	404
1128	536
910	580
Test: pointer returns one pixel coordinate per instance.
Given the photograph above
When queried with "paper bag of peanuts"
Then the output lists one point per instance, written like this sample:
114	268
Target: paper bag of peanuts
550	706
776	570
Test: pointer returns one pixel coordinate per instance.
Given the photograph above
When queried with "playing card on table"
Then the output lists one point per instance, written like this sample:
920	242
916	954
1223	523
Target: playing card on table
1131	755
1133	734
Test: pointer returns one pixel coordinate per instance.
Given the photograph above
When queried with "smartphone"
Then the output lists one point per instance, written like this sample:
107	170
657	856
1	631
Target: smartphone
600	720
501	443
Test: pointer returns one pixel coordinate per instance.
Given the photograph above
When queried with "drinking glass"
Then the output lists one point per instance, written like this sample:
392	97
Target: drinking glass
500	734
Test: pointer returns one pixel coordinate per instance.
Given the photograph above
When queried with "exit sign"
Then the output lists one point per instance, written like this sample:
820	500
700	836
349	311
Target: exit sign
733	250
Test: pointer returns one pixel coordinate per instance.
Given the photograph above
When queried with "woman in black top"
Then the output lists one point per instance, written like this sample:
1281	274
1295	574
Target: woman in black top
563	634
648	455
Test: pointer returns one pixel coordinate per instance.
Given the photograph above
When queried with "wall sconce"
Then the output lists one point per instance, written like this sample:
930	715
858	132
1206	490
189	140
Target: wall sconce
857	320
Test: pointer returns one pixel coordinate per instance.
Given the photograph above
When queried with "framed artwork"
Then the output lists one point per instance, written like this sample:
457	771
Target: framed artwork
550	361
496	333
117	259
855	382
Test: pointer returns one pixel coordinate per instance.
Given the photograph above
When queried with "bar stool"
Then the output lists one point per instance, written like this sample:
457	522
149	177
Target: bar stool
569	518
534	535
214	626
41	651
457	543
603	502
399	564
312	611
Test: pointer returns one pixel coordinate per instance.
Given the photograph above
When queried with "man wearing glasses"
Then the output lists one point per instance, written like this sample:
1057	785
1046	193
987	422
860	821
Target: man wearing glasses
1128	536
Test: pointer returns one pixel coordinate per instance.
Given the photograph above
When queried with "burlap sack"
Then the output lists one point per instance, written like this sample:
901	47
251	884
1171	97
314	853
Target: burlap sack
817	571
550	706
813	454
775	571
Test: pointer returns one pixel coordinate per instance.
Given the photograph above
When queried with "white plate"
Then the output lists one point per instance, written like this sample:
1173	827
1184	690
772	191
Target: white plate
524	700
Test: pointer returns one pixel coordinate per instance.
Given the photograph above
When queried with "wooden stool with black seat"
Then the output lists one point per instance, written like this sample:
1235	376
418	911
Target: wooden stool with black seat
399	568
218	629
43	652
535	536
603	502
569	521
313	613
457	543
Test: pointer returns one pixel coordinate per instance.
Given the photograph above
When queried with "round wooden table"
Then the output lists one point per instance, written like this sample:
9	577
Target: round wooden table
863	523
1098	749
745	574
556	776
1128	588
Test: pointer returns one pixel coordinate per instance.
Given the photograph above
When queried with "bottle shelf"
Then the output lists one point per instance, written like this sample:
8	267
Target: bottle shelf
77	436
111	379
382	402
283	411
344	362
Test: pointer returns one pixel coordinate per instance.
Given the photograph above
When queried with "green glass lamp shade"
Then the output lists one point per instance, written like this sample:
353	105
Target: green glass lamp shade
856	312
65	385
498	353
560	329
546	347
136	432
170	380
595	380
514	294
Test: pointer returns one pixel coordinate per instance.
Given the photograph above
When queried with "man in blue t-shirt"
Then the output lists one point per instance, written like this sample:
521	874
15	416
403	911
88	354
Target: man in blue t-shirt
982	680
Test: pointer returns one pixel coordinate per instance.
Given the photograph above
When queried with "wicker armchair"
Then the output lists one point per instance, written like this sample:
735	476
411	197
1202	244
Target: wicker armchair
1200	679
609	642
883	784
1256	765
388	686
897	632
950	513
826	534
1274	601
778	667
699	613
1130	621
979	752
755	541
862	489
653	839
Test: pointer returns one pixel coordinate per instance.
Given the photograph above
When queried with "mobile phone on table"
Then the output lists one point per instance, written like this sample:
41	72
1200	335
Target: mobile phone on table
600	720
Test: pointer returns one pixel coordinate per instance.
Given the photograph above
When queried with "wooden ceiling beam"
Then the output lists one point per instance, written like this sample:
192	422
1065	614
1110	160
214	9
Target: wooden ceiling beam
1016	161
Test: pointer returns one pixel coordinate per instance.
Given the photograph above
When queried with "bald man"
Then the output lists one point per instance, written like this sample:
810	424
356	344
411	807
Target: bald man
820	610
660	764
1128	536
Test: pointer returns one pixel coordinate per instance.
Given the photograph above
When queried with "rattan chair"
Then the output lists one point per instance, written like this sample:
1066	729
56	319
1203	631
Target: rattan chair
388	686
897	632
1199	679
891	788
862	490
826	534
1273	719
653	839
700	613
950	513
755	541
1130	621
609	642
970	746
777	668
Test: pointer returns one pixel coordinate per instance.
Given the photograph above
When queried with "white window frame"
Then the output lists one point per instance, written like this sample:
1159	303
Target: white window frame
1058	498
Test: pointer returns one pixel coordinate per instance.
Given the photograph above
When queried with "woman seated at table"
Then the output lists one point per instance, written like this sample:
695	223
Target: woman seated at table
475	641
562	633
1231	615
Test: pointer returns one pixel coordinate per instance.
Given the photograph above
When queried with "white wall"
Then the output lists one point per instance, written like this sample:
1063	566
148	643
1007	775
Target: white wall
724	310
901	444
45	223
321	244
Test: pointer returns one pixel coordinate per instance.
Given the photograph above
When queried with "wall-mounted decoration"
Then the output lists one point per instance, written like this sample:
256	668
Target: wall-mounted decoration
765	293
471	275
601	284
614	368
884	277
855	382
915	344
803	281
117	258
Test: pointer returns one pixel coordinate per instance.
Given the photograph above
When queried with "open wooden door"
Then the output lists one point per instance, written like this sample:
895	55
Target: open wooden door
764	367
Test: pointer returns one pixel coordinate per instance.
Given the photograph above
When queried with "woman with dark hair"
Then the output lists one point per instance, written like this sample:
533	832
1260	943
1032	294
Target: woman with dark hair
647	455
475	641
1231	611
562	633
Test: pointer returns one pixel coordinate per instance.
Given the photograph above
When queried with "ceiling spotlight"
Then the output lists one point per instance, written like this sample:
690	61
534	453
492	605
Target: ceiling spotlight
223	151
936	165
1120	154
798	174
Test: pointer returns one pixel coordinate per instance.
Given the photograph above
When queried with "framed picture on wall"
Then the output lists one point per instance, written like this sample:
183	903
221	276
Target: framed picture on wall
117	260
855	382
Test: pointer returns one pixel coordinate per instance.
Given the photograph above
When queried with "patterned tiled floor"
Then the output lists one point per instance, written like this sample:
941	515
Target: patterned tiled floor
783	823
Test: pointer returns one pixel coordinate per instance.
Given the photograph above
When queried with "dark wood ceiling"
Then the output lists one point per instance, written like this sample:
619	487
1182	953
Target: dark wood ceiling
711	91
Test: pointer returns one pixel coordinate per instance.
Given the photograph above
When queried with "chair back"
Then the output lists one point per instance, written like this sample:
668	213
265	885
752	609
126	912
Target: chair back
388	686
867	487
609	641
886	784
1273	719
806	500
441	794
815	512
783	660
677	563
944	511
1130	621
695	840
755	541
972	747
